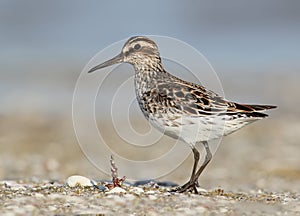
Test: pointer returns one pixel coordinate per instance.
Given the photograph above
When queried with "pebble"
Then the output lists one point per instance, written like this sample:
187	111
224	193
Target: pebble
14	186
102	188
144	182
80	181
39	195
136	190
167	193
52	208
201	190
150	192
152	197
116	190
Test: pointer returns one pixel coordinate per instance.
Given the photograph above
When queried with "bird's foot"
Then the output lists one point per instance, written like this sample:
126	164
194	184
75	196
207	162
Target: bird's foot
187	187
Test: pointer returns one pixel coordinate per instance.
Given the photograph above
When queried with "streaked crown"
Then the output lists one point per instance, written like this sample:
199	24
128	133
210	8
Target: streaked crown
139	49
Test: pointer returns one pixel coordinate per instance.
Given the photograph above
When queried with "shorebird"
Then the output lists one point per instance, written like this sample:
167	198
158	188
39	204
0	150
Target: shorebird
183	110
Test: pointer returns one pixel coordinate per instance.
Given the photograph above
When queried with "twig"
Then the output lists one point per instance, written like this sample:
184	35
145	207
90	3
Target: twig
116	181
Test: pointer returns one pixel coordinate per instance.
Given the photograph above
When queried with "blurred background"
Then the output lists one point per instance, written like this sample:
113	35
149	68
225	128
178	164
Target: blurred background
253	46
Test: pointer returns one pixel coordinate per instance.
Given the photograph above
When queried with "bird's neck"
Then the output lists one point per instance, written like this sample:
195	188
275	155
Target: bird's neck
148	64
146	77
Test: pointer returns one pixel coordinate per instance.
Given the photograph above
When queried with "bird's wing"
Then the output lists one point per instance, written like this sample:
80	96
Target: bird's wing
178	96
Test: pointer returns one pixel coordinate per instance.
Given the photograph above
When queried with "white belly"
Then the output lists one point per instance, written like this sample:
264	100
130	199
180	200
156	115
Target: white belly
198	129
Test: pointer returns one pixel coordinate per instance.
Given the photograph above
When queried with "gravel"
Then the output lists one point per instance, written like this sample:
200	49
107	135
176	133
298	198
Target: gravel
56	198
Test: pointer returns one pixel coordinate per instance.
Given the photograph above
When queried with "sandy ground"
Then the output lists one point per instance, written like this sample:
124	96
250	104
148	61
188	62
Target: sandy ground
48	198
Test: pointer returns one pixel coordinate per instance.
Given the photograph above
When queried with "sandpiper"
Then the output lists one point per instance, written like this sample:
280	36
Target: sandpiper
181	109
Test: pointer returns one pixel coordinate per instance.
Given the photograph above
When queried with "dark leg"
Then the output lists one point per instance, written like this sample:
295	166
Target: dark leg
196	160
206	161
190	183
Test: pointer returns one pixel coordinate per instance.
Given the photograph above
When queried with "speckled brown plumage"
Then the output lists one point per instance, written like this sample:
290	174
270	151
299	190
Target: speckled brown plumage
181	109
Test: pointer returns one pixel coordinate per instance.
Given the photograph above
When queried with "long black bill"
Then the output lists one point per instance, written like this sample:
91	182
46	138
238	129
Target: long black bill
115	60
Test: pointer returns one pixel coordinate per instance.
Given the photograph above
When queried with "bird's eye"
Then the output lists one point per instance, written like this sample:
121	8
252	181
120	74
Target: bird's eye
137	46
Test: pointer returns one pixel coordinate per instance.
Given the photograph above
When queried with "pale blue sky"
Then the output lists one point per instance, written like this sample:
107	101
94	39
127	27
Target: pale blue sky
231	33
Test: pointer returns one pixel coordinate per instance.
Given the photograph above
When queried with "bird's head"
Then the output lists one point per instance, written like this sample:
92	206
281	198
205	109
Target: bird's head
139	51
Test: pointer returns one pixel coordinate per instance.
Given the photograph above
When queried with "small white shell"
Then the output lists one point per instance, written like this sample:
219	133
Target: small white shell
116	190
79	181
